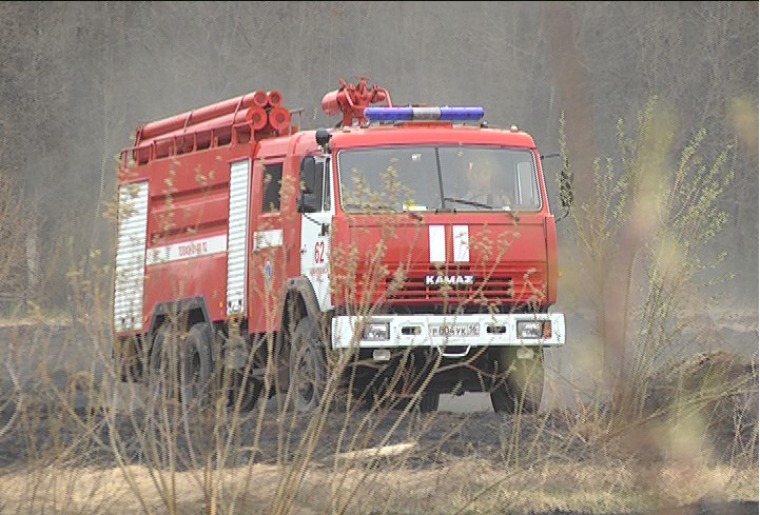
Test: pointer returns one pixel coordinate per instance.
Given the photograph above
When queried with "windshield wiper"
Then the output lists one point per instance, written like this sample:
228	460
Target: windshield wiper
367	208
468	202
480	204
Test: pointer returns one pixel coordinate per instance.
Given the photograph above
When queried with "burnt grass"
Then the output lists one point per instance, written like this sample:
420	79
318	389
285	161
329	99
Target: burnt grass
45	433
56	425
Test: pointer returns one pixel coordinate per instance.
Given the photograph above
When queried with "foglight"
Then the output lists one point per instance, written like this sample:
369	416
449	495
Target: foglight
534	329
376	331
409	114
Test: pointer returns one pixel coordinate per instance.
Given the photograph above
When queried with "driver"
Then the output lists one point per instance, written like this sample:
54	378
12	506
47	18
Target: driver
484	184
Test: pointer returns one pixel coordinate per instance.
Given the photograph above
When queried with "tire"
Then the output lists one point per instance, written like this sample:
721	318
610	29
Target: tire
308	370
163	370
429	402
127	361
520	382
196	367
248	388
378	396
237	380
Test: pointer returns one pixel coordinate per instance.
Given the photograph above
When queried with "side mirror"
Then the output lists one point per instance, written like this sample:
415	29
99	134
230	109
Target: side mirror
565	188
323	138
308	174
308	203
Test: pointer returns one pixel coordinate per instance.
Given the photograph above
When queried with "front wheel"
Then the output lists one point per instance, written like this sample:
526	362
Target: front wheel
519	383
308	369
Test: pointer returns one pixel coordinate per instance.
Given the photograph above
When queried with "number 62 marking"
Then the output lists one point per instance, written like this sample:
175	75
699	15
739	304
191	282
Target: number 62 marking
319	252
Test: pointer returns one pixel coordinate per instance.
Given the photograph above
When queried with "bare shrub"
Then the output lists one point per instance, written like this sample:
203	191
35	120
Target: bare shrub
14	217
645	232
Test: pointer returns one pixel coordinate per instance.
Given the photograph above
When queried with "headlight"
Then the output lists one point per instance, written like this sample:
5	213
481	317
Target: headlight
377	331
534	329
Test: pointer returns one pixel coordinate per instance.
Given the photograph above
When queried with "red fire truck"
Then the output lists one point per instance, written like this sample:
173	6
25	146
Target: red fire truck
412	247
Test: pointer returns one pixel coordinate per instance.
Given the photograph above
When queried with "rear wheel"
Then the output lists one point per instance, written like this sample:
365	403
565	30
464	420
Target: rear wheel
196	367
242	388
181	367
163	369
127	360
429	402
397	386
308	370
519	382
378	397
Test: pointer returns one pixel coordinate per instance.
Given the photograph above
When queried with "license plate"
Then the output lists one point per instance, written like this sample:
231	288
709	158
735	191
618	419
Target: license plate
455	330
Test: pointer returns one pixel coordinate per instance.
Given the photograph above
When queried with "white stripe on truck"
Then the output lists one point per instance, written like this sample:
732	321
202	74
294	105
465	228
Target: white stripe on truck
237	254
130	256
187	250
437	239
461	243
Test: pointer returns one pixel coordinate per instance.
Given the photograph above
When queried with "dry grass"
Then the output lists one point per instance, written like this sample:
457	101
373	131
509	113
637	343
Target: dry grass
469	485
569	459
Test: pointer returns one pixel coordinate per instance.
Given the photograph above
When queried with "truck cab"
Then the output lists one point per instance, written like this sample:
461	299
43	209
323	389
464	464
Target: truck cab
432	243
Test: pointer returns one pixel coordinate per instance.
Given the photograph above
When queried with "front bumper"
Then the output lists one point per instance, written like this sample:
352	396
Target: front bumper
442	331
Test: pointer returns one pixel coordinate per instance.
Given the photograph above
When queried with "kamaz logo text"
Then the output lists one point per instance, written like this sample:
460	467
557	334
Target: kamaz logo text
452	280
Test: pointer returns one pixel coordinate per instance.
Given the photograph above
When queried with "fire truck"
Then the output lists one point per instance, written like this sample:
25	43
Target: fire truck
283	259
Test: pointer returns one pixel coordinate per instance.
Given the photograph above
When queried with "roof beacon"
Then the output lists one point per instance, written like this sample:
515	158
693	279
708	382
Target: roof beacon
407	114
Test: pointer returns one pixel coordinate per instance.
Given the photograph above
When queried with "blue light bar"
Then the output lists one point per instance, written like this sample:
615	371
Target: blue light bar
462	113
408	114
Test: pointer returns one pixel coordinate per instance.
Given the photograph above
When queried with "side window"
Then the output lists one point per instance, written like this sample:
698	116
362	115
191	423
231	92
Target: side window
319	181
322	185
527	189
326	198
271	189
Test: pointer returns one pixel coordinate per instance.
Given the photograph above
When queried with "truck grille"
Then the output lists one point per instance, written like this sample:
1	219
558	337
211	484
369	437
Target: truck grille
499	284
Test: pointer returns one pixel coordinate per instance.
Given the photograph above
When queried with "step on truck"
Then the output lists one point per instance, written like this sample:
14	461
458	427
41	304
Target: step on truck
406	252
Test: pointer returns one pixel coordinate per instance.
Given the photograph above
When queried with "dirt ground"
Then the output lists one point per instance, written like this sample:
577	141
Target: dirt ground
562	447
549	464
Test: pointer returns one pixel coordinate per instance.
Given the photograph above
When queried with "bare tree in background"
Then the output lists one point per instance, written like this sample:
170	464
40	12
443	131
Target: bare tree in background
701	57
16	275
605	289
78	77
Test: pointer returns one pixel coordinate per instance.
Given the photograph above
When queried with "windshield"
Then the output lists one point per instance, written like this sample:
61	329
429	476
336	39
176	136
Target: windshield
438	178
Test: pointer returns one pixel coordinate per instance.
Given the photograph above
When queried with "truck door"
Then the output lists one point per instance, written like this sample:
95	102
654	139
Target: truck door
315	234
267	257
